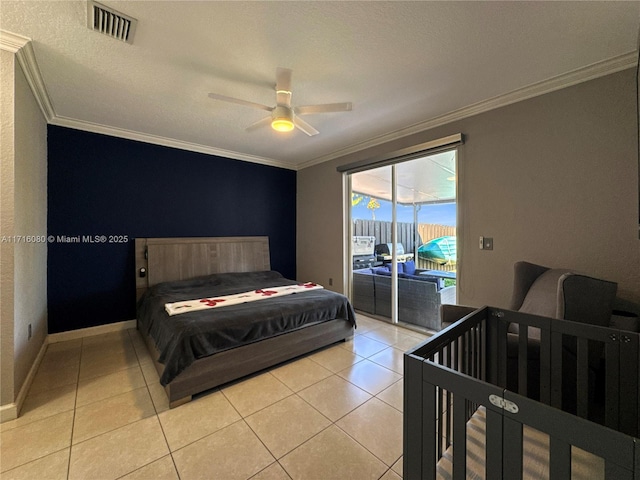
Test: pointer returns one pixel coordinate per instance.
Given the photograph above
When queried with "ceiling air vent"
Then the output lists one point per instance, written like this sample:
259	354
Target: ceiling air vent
110	22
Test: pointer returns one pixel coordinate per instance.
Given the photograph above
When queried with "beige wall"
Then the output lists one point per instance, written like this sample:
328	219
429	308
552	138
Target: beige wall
24	213
7	62
320	230
553	179
30	193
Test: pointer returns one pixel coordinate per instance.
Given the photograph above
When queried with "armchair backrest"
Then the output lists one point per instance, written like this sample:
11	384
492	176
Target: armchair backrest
561	293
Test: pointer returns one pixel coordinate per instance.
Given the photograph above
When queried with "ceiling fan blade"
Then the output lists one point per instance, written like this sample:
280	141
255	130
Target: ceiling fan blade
283	86
260	123
324	108
304	126
246	103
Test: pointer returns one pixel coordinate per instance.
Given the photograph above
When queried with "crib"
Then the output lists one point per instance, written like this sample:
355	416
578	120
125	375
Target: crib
562	407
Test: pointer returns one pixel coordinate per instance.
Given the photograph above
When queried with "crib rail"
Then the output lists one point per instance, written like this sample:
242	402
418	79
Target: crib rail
573	385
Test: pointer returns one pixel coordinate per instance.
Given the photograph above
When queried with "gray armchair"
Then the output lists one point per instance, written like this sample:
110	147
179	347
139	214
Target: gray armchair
561	293
555	293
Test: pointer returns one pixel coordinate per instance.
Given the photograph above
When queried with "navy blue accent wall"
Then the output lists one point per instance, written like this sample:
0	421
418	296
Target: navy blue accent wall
100	185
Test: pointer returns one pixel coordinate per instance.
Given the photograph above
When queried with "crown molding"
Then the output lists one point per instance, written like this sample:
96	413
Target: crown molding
12	42
22	47
163	141
580	75
27	59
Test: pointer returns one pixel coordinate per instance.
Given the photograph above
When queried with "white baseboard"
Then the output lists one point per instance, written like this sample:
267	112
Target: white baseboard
8	412
12	410
90	331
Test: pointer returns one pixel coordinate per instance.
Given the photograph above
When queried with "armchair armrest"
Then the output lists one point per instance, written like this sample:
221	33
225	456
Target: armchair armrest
625	321
452	313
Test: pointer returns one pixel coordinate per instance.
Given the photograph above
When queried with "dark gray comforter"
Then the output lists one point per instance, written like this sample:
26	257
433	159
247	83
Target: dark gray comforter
181	339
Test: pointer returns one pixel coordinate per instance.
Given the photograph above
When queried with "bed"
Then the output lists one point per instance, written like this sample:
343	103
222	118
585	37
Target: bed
461	421
202	349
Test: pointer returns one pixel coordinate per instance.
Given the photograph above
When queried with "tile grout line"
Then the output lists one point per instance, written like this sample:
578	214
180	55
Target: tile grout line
332	423
306	441
155	409
263	444
354	408
273	463
138	365
356	440
266	406
394	383
387	471
243	418
277	460
75	406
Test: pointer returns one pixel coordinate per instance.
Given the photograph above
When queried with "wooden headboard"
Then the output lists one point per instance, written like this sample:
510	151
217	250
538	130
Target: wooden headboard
167	259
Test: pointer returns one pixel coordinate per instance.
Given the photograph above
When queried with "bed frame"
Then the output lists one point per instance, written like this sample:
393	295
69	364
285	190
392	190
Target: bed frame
455	395
168	259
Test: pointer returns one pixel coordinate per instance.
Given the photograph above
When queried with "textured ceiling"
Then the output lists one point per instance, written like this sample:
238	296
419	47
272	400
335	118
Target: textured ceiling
404	65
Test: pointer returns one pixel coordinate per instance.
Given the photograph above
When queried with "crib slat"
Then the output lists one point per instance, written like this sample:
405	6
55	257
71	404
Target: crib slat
491	349
512	449
476	350
612	385
636	458
545	366
502	352
494	444
418	421
447	396
459	438
523	340
475	347
465	346
482	355
629	384
582	377
556	371
429	436
559	459
455	352
441	441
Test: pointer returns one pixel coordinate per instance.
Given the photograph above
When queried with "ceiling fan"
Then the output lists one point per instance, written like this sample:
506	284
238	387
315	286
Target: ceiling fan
284	117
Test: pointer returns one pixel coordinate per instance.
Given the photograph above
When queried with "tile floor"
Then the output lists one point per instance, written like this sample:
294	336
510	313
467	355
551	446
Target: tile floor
96	411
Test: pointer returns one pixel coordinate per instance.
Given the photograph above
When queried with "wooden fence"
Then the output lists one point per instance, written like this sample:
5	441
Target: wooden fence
407	235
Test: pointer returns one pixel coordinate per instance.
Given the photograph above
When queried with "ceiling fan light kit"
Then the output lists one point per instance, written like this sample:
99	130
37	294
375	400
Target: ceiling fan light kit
283	118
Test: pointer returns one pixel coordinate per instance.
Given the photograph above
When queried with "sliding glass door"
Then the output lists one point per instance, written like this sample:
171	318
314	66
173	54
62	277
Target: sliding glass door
412	205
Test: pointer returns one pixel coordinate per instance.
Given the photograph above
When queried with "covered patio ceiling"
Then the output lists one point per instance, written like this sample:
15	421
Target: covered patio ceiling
423	180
